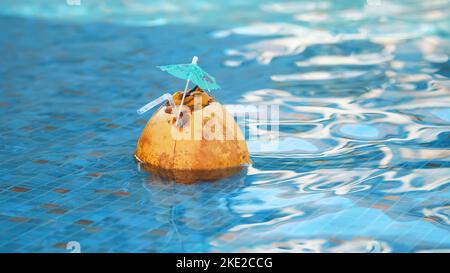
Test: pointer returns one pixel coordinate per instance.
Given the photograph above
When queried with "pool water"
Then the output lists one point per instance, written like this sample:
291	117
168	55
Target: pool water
363	159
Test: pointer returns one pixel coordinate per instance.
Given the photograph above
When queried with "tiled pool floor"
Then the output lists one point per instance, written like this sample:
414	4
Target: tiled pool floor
362	163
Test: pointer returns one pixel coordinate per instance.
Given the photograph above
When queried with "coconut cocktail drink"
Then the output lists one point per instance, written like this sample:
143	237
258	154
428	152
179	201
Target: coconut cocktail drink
193	137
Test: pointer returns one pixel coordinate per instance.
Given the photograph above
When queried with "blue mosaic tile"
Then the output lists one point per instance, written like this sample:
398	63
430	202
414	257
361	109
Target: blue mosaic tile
362	162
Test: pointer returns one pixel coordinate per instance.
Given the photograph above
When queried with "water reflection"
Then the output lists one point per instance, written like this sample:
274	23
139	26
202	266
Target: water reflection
189	176
377	148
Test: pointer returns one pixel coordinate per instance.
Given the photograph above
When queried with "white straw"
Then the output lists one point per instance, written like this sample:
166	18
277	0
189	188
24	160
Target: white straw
156	102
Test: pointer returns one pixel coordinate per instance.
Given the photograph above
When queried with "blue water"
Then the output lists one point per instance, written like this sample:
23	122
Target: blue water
363	161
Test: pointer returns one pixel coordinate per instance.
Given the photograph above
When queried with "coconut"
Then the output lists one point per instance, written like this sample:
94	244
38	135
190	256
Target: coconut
205	141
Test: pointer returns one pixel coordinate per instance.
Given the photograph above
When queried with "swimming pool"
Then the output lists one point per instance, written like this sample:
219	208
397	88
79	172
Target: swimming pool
362	163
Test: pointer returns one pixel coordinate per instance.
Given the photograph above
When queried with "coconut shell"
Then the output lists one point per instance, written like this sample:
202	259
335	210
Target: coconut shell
208	139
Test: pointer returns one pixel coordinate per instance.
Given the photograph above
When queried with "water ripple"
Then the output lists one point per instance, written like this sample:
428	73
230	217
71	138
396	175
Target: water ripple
362	162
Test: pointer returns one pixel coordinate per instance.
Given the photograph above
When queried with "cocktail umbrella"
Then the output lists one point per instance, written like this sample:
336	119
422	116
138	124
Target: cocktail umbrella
191	73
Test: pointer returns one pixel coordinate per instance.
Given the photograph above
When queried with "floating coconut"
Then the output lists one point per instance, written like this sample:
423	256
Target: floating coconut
204	143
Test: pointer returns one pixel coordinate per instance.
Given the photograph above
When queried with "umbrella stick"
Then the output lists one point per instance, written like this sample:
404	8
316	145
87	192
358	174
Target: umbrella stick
194	61
182	99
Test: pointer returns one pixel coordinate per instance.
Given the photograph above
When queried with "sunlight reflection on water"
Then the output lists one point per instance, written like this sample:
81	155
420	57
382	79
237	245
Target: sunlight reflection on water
362	163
